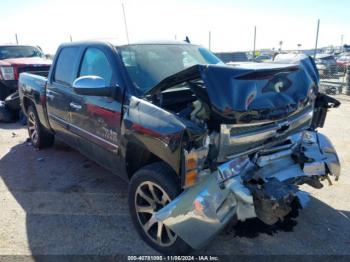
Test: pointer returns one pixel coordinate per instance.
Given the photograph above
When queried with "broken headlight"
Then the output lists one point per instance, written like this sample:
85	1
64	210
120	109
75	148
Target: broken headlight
194	163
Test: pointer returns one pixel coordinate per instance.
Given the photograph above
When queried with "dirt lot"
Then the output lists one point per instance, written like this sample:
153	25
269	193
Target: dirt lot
56	201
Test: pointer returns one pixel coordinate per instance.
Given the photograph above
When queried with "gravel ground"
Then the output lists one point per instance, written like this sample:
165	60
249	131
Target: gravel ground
55	201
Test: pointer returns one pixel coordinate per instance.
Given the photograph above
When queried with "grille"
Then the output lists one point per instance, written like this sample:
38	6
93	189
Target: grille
36	69
237	140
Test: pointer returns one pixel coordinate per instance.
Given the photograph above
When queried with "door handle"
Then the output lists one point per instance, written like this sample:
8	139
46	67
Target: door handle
75	106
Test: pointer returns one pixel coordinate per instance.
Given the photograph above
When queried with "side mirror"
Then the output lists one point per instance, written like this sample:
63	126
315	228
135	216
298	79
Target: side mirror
91	86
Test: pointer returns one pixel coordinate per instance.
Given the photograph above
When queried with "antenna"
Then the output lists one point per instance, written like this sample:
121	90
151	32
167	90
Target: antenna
254	43
318	29
209	40
126	25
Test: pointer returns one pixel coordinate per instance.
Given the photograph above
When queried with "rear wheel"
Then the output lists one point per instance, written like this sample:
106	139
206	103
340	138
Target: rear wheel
39	136
152	188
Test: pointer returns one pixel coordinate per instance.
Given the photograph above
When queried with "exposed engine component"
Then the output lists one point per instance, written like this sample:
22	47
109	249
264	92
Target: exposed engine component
201	111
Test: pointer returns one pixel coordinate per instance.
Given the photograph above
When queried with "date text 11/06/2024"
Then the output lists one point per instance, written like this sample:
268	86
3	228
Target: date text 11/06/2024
173	258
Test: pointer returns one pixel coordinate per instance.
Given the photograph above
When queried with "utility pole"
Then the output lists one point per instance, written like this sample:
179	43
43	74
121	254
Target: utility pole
209	40
16	38
341	43
299	45
318	28
254	43
126	25
280	44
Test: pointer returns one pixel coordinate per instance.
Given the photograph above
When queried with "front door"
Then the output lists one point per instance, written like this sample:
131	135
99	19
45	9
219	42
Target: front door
95	119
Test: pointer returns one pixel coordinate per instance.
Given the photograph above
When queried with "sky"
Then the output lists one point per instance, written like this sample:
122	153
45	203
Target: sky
48	23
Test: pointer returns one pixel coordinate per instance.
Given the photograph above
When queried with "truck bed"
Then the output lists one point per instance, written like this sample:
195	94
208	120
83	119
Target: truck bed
32	87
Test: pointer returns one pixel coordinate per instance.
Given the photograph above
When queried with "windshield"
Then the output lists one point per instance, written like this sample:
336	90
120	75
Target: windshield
7	52
147	65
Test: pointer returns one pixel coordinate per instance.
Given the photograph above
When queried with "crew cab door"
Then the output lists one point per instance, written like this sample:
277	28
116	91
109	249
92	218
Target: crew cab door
96	119
59	92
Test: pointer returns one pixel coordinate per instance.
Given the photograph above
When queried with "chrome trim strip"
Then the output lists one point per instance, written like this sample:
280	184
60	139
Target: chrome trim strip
59	120
266	122
69	125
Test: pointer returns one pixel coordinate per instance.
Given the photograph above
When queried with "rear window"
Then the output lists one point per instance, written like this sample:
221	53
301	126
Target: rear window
64	72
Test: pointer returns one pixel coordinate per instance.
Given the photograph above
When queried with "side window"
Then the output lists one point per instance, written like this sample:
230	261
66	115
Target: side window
95	63
64	72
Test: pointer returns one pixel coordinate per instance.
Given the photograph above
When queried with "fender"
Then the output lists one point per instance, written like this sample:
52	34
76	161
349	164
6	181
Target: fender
157	130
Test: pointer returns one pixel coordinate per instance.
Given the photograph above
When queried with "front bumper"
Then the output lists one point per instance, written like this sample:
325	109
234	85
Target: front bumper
266	187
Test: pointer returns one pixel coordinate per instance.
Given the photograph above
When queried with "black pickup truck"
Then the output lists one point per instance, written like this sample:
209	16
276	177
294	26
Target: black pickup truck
201	143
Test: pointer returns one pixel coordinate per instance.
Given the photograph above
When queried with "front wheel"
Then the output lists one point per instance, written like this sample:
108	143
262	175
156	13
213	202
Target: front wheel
152	188
39	136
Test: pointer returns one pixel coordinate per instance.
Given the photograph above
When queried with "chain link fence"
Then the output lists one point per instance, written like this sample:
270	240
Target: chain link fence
334	69
334	72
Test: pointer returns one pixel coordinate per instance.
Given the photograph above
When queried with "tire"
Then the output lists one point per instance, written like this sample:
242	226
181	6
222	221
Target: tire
6	116
165	186
3	92
38	135
12	102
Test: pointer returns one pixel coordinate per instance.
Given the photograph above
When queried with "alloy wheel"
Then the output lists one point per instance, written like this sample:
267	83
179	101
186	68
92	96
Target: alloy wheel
33	127
149	198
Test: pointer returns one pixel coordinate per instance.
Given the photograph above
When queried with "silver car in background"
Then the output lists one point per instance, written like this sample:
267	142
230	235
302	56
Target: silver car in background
326	65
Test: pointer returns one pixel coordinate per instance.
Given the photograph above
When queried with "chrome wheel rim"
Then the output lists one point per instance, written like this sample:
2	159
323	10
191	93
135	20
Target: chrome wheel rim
149	198
33	128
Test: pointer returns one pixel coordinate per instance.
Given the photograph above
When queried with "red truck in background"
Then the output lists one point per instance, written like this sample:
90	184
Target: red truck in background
16	59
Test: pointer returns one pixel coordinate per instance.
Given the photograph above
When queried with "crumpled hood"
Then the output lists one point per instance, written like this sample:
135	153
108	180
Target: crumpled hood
252	92
25	61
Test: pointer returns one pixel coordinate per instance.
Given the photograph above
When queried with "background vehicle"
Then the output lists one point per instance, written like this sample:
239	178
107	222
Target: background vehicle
326	65
15	59
263	58
199	141
343	62
229	57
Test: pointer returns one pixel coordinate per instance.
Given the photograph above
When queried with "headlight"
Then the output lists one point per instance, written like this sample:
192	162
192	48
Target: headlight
194	163
7	73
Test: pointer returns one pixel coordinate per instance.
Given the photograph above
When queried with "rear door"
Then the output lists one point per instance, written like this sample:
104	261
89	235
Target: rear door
95	119
59	91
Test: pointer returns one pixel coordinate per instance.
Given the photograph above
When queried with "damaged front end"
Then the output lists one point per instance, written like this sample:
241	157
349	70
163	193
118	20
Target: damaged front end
263	186
253	162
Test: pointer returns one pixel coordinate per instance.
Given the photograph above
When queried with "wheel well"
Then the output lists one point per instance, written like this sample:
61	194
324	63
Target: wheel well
137	157
26	103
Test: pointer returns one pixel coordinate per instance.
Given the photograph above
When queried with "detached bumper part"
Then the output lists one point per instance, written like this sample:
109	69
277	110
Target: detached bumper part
265	188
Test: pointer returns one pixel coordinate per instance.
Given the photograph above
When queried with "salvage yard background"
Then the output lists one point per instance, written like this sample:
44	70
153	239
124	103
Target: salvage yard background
55	201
